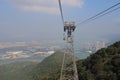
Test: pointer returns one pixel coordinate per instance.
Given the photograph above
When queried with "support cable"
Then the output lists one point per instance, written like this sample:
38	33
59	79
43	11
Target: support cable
101	13
60	7
107	13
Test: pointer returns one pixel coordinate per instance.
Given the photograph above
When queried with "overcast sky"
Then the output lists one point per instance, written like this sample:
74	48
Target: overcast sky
26	20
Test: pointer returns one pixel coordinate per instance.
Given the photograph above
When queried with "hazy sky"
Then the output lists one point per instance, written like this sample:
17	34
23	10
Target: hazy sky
26	20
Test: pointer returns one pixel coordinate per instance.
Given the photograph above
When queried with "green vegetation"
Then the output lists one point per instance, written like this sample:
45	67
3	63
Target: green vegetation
103	65
16	71
49	69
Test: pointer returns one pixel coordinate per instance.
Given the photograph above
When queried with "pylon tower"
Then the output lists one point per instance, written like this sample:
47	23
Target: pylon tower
69	68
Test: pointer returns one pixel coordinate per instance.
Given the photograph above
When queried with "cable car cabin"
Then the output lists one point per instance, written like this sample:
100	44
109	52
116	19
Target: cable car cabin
69	27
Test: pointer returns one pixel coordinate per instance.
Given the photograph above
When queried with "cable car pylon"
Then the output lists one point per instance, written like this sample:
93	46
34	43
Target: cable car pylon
69	68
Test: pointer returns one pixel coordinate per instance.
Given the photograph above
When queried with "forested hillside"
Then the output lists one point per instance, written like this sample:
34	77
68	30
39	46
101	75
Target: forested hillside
103	65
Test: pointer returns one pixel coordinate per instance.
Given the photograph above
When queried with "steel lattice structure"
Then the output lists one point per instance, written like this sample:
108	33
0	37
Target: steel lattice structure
69	69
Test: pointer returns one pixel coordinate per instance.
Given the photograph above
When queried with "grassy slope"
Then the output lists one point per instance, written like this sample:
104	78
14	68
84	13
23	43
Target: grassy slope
16	71
49	68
